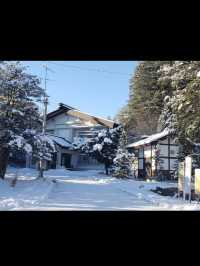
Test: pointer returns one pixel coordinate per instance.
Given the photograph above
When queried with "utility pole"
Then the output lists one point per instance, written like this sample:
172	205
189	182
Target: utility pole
45	102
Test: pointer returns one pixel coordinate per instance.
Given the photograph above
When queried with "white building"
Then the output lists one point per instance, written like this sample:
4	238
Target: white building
157	154
67	124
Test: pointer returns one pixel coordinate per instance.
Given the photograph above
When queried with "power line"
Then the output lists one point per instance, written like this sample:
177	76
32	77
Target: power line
89	69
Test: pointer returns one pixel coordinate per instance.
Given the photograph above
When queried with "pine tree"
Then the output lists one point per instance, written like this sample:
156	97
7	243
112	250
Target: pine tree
145	102
41	148
123	162
181	112
103	146
19	92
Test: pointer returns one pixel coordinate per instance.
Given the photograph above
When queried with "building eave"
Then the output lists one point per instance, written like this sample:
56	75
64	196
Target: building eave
150	139
65	109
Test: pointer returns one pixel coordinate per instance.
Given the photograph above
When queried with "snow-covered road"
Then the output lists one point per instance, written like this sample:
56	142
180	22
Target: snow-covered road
83	190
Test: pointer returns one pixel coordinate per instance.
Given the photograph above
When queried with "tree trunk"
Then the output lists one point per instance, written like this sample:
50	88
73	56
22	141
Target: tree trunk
106	168
4	155
41	169
40	173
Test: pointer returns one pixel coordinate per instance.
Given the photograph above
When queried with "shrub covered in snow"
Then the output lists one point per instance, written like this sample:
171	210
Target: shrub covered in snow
123	164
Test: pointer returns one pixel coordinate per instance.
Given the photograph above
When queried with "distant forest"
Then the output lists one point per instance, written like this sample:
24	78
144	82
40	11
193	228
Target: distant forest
164	94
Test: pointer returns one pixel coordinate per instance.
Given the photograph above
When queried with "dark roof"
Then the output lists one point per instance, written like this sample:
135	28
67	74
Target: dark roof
60	141
62	109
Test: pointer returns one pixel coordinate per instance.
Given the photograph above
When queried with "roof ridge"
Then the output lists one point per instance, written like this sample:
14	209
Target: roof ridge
67	106
150	138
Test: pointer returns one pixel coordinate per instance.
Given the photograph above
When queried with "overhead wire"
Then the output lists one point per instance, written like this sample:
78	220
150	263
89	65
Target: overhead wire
89	69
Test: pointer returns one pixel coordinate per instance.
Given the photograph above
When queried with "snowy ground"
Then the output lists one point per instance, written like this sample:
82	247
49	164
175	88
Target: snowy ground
83	190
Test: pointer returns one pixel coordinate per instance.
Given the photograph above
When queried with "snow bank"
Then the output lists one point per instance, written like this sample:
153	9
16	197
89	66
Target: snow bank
84	190
28	192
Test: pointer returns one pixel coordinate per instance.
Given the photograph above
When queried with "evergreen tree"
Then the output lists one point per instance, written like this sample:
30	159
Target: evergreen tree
41	148
123	162
181	112
165	95
19	92
38	145
103	147
145	102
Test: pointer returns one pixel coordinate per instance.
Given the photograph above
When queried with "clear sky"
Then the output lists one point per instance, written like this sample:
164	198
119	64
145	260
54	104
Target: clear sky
97	87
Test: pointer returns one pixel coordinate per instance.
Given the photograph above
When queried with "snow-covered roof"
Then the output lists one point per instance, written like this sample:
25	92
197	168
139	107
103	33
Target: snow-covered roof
94	120
60	141
149	139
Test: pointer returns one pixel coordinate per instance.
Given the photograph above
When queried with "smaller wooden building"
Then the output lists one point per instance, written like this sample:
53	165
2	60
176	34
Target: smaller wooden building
157	155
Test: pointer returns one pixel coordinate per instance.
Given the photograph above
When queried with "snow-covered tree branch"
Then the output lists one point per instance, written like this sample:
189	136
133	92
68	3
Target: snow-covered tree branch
103	146
19	93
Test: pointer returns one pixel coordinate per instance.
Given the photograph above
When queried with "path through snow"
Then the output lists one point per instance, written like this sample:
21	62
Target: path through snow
83	190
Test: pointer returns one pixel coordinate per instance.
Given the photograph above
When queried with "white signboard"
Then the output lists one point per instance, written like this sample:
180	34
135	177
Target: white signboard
188	175
181	174
197	181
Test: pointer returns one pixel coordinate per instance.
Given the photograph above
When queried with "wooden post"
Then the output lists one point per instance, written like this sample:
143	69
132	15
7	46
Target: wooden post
169	156
155	159
151	160
181	174
187	178
197	183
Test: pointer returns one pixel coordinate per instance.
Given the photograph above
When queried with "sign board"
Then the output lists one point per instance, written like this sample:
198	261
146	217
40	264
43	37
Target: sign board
188	175
181	174
197	181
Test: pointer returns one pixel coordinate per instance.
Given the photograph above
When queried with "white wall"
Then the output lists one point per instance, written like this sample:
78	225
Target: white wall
173	164
147	152
163	165
63	125
163	150
64	133
141	164
141	152
174	151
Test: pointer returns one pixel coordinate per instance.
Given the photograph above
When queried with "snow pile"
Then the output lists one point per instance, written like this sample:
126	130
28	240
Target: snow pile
28	191
23	173
84	190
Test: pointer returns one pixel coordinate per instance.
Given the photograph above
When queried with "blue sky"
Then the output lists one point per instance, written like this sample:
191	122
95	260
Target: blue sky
85	85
